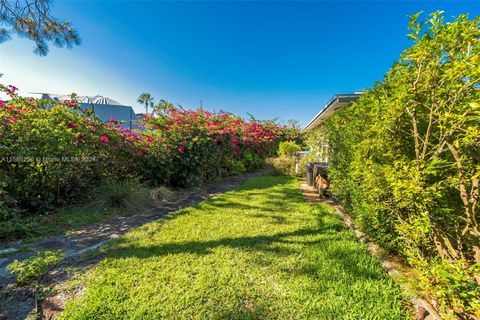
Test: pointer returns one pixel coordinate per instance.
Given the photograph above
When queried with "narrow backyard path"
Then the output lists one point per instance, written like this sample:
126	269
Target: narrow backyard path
258	252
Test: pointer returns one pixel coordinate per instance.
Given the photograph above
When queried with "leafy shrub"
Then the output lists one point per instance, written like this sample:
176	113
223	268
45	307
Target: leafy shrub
288	148
204	146
54	154
33	269
405	159
284	166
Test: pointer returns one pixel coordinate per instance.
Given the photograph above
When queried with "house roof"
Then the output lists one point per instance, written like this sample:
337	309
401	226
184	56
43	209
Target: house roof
338	101
81	99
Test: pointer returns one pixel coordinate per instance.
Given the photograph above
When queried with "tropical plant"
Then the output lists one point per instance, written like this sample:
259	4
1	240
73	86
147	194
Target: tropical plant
206	145
147	100
56	154
163	107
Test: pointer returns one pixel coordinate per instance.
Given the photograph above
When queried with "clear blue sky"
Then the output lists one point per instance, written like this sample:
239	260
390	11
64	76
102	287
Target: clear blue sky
270	59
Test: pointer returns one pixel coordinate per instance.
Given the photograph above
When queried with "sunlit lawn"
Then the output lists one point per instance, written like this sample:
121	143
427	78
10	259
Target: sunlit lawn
259	252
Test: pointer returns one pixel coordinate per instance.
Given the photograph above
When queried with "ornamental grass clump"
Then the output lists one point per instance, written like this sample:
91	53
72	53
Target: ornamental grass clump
123	194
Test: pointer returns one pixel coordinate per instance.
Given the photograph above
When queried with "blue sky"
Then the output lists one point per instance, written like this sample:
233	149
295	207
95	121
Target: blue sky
270	59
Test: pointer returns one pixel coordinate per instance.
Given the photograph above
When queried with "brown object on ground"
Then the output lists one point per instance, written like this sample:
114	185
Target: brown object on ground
393	266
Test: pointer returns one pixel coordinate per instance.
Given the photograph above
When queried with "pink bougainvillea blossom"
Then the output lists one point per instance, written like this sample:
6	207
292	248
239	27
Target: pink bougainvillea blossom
10	119
104	139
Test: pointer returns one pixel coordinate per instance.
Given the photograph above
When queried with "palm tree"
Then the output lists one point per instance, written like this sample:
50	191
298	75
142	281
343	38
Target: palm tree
163	107
147	100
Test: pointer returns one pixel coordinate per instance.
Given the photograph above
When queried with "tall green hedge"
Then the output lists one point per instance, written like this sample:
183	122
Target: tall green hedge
405	159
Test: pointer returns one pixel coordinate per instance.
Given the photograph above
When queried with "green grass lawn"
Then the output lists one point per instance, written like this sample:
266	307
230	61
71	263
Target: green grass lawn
259	252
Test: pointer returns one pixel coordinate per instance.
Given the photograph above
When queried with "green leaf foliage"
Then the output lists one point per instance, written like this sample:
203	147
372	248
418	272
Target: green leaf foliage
405	159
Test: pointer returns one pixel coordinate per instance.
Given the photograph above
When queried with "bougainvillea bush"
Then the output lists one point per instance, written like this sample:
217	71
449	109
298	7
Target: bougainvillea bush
405	160
55	153
204	146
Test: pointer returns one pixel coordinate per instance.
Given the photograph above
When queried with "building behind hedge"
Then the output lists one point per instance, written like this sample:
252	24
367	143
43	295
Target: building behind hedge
337	102
105	108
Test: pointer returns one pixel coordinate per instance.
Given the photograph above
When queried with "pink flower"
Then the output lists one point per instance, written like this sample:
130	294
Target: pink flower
237	149
132	135
1	103
94	128
13	88
104	139
7	120
112	119
181	149
71	125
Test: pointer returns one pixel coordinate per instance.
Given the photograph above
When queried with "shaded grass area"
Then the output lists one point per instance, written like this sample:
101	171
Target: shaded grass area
111	199
66	219
259	252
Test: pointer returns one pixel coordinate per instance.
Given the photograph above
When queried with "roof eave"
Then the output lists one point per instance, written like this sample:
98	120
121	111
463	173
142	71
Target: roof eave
336	100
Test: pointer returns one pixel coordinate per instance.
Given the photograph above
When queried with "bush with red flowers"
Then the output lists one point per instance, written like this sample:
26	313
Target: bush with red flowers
205	146
54	153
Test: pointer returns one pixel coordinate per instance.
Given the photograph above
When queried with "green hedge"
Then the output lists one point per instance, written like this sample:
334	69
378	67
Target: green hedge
405	160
